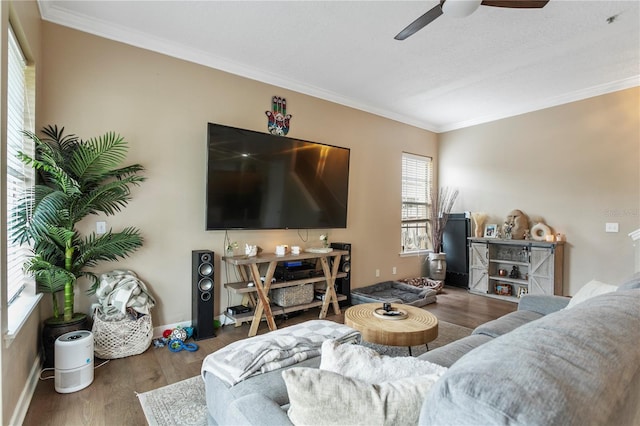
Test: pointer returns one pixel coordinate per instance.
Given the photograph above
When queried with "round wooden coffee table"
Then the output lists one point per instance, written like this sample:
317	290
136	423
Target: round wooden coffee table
418	328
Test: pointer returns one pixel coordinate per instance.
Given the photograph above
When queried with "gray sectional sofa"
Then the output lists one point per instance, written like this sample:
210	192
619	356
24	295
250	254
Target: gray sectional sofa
539	365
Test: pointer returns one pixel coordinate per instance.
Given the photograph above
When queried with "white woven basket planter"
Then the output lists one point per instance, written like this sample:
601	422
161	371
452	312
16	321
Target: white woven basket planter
119	339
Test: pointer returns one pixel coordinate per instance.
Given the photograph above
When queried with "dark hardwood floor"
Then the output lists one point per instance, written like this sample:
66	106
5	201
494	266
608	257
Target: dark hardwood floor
111	398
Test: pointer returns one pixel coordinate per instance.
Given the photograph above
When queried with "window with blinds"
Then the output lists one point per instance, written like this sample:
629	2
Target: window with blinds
416	193
20	114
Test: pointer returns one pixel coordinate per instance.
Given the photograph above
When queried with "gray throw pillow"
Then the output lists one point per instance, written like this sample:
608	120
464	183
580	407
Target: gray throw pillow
319	397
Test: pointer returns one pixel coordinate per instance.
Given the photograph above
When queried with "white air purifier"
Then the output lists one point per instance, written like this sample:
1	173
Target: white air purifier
73	361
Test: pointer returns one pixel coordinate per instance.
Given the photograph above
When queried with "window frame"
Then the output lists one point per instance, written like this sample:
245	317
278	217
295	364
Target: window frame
19	291
416	187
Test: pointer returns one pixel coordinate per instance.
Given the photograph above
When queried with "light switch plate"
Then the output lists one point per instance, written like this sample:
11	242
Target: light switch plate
101	228
611	227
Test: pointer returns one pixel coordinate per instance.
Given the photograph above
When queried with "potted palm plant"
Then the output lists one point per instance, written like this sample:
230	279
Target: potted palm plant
75	178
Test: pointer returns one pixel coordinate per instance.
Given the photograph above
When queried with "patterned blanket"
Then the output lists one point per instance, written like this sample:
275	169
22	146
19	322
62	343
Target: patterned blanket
274	350
120	290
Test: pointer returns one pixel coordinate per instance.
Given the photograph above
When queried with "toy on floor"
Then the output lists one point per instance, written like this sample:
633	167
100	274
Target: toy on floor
174	339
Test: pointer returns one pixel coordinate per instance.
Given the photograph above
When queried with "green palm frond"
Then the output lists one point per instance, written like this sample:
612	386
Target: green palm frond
50	210
49	161
94	281
62	237
64	144
49	250
108	247
108	198
127	171
50	278
97	156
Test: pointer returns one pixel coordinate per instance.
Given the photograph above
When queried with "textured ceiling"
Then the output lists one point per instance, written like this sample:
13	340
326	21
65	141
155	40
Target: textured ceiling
454	73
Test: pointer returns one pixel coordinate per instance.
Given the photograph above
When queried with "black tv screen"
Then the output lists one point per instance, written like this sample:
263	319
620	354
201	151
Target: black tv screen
262	181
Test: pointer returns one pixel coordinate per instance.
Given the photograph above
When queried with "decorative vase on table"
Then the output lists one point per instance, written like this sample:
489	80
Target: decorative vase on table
437	266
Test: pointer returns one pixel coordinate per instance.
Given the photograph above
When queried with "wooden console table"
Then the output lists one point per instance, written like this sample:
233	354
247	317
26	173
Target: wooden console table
262	288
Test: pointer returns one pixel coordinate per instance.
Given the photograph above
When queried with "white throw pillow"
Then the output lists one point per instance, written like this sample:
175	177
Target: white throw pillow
589	290
365	364
319	397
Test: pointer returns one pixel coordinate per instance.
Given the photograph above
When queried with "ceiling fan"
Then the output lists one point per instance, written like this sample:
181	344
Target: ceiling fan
461	8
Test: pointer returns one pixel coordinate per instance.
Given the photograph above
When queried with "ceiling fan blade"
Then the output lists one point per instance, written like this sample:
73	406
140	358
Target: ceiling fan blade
420	23
516	4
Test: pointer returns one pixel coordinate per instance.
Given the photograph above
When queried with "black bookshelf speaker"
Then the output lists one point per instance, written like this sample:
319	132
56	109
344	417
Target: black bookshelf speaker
203	274
343	285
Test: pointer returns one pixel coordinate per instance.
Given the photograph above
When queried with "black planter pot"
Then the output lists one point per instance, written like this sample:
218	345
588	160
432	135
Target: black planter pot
54	328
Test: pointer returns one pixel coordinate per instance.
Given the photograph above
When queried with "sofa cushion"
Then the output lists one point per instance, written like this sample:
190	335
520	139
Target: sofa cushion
219	395
542	304
450	353
589	290
571	367
321	397
367	365
631	282
506	323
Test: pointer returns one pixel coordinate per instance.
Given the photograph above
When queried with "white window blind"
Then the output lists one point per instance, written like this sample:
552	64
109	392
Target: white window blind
19	117
416	193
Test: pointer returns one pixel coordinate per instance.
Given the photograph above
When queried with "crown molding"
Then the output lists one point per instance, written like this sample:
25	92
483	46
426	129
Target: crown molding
50	12
578	95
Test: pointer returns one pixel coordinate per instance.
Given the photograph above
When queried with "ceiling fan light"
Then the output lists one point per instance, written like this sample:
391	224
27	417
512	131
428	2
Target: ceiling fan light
460	8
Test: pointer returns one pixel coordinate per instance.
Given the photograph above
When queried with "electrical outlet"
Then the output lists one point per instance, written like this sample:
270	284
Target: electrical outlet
394	270
101	227
611	227
377	272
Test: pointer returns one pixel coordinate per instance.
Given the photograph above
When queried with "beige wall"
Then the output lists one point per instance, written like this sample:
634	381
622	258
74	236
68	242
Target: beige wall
162	106
575	165
20	357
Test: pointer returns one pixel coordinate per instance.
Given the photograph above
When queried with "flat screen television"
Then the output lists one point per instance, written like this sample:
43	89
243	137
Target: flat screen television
261	181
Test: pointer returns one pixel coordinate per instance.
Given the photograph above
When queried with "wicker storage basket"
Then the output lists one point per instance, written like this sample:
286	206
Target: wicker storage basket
291	296
119	339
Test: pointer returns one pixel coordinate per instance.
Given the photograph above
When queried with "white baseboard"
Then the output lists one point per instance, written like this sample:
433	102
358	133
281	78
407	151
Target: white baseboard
20	412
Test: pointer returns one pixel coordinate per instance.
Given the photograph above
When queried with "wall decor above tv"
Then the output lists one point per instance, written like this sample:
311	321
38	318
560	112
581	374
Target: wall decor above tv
261	181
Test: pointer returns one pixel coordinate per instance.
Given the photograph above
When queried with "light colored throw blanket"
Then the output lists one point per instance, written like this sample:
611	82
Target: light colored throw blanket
274	350
119	290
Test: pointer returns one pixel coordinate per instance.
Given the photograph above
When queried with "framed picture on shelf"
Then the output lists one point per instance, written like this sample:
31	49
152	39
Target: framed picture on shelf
490	230
503	289
522	291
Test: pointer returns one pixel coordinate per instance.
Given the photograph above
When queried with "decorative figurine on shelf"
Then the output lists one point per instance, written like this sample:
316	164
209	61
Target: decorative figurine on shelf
515	272
325	240
508	227
250	250
517	223
278	119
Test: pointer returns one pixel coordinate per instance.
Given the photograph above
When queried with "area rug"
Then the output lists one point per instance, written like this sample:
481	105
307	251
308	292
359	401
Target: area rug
180	404
183	403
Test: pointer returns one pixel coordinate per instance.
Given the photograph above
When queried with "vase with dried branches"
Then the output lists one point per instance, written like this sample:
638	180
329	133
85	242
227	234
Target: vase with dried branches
440	208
